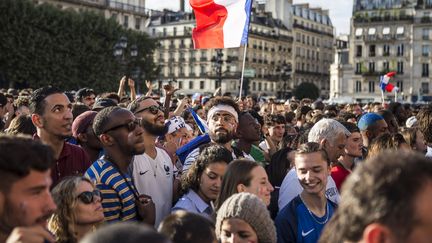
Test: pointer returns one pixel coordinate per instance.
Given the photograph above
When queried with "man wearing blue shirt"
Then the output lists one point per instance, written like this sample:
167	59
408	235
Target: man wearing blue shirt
303	219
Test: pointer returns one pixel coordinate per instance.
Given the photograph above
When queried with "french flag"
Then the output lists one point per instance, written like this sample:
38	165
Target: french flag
385	82
220	23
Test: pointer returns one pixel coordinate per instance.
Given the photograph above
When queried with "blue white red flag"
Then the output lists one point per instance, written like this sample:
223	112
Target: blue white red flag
202	125
220	23
385	84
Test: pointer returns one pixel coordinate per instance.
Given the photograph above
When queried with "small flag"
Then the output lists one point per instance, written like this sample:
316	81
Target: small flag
202	125
385	84
220	23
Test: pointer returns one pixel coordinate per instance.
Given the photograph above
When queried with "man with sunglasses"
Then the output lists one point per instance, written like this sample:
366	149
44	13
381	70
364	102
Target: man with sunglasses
25	199
152	171
121	135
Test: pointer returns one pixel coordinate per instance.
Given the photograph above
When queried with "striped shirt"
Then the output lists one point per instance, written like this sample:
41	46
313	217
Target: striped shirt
118	200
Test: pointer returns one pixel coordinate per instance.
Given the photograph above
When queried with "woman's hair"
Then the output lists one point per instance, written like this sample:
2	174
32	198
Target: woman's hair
209	155
279	166
238	172
410	136
385	141
21	124
181	227
62	221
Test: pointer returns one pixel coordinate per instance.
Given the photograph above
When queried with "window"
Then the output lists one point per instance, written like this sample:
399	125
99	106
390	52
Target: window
201	84
425	50
400	50
399	84
114	16
424	88
175	31
190	84
386	31
253	86
400	30
202	69
425	33
358	87
137	23
259	86
386	50
371	31
400	67
386	66
358	51
372	50
126	21
180	84
425	70
371	67
358	68
359	32
371	86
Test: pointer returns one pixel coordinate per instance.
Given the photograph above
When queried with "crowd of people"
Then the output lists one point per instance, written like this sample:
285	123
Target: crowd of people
117	167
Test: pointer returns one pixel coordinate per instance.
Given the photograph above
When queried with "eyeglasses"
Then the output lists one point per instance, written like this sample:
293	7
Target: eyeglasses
130	126
154	109
88	197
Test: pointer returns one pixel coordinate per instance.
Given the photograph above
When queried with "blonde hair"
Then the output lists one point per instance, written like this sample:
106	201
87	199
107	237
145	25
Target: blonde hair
62	222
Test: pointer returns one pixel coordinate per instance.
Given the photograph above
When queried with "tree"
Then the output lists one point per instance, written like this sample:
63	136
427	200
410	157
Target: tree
306	90
42	45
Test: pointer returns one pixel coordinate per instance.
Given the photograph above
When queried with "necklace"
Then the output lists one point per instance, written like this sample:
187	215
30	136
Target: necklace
315	218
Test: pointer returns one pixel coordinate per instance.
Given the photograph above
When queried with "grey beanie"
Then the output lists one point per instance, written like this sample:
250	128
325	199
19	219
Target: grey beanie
251	209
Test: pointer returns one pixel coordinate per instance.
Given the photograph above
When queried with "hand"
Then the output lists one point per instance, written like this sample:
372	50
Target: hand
146	209
169	89
131	83
33	234
149	85
123	81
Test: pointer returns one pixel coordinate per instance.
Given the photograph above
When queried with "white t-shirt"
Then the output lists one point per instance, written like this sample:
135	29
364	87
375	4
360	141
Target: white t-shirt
154	177
291	187
429	152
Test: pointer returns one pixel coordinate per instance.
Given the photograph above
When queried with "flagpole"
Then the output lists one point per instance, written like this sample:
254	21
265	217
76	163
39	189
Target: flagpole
242	72
382	97
396	96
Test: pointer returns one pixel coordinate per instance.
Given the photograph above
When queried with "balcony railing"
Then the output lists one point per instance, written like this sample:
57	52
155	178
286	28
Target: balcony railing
128	7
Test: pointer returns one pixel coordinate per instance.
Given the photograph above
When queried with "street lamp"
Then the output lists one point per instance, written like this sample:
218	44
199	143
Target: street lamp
284	73
120	49
218	61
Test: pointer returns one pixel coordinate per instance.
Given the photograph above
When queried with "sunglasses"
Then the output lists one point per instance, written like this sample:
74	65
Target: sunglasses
88	197
130	126
154	109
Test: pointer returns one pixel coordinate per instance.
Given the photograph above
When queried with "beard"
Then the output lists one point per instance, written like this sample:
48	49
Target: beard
221	138
154	129
12	217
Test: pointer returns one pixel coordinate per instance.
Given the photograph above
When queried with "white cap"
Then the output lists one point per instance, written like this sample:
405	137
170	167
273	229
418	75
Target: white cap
411	122
174	124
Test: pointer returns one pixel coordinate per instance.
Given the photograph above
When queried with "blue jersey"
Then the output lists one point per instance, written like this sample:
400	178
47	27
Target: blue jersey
294	223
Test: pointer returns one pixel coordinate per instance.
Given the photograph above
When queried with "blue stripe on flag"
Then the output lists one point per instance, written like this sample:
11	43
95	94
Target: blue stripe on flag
244	38
382	84
202	125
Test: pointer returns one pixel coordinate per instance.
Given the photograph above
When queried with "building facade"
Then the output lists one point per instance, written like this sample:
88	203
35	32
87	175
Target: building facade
312	47
390	36
269	51
131	14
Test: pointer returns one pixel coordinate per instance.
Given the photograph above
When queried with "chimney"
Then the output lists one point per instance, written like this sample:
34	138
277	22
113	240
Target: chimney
182	5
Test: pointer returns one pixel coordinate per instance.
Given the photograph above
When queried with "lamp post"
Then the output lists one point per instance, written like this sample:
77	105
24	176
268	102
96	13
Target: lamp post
218	61
284	73
120	51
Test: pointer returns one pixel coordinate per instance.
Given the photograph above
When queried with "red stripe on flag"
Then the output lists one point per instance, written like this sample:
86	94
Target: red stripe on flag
389	87
210	19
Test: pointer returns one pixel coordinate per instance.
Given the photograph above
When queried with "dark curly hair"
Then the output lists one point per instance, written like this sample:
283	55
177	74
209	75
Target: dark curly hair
211	154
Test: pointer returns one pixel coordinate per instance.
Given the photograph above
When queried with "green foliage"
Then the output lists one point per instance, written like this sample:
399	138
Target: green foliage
307	90
42	45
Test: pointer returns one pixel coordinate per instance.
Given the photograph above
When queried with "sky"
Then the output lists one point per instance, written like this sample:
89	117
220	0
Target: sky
340	10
